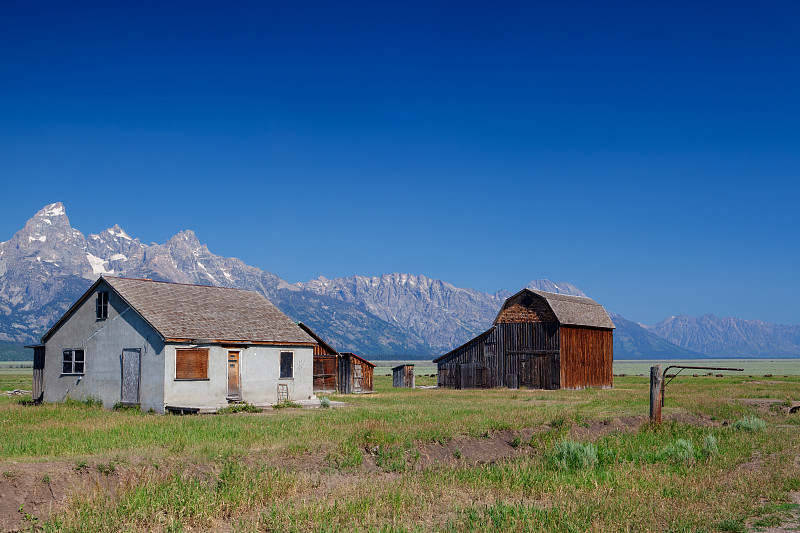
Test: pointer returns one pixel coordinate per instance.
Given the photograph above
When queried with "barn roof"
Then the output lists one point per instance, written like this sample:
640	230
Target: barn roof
570	310
182	312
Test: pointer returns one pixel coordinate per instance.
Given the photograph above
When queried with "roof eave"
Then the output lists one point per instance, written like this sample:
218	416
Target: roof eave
71	310
239	342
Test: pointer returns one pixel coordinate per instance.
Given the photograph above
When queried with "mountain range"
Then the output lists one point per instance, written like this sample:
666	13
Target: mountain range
48	264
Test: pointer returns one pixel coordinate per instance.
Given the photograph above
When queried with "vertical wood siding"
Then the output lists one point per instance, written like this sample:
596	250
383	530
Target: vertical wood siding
37	393
348	374
321	350
325	372
367	378
403	376
587	356
509	355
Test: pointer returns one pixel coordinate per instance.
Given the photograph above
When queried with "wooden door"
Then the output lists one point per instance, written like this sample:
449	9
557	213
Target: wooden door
131	373
358	377
525	370
536	372
233	375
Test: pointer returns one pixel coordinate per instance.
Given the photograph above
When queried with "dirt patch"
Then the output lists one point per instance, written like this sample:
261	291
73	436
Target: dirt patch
769	405
476	450
32	491
791	519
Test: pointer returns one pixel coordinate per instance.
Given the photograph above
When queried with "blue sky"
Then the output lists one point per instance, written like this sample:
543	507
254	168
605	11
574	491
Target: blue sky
647	153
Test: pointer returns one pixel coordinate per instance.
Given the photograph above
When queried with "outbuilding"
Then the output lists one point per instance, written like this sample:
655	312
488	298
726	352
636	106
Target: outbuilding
403	376
539	340
345	372
174	347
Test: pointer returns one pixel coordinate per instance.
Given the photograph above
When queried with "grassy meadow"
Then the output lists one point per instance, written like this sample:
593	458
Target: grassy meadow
726	459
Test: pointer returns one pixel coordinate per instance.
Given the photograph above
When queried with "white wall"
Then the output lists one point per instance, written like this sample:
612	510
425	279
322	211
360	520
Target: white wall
259	371
103	342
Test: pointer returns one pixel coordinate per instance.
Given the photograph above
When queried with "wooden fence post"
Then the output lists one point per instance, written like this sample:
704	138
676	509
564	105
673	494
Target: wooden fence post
656	380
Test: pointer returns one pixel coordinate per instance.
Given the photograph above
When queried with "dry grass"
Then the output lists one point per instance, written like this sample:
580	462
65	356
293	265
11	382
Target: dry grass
358	468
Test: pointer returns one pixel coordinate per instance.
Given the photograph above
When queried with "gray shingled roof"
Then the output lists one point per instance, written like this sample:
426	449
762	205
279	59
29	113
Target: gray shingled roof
574	310
180	311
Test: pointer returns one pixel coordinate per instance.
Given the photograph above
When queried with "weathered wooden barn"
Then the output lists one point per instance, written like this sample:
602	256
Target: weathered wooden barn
539	340
343	372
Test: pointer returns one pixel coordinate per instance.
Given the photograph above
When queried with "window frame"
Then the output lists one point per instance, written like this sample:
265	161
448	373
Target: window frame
184	378
290	353
101	305
73	362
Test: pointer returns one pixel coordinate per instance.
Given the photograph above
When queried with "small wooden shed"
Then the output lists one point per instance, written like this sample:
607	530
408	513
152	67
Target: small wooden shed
345	372
355	374
403	376
539	340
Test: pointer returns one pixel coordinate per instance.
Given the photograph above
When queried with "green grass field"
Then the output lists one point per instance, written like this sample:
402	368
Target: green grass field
420	460
776	367
755	367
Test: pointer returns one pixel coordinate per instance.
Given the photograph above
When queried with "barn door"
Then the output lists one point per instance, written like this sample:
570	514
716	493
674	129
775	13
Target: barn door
131	374
526	370
537	371
358	377
233	375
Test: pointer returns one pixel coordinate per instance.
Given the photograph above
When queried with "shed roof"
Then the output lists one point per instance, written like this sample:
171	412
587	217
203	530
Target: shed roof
351	354
198	312
317	338
569	310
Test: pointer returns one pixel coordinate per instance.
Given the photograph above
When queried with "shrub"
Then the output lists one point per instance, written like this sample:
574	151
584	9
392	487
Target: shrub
750	423
239	408
571	455
680	451
119	406
324	402
110	468
286	404
709	446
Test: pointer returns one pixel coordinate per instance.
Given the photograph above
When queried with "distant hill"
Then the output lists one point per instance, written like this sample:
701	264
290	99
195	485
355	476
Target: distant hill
15	352
632	341
730	337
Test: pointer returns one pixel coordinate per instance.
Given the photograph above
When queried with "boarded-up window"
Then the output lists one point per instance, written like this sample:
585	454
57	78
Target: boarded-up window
191	363
287	362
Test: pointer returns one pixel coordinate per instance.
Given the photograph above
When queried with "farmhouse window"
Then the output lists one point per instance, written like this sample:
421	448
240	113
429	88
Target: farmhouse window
287	365
72	362
191	363
102	305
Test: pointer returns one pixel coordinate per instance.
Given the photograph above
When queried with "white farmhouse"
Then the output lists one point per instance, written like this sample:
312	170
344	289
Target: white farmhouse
173	347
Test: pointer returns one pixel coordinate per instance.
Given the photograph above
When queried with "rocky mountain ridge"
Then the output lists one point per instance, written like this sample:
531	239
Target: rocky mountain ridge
729	336
48	264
